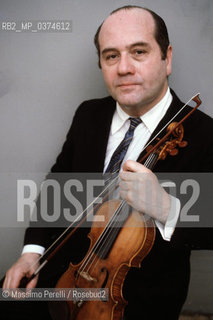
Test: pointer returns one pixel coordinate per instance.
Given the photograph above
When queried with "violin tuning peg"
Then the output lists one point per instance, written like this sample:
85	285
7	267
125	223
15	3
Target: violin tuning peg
183	144
173	152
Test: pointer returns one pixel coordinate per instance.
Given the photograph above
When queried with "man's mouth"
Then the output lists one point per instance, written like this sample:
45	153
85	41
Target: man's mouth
128	84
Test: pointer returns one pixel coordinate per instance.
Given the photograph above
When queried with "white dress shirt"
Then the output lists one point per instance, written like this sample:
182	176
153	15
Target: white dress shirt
142	133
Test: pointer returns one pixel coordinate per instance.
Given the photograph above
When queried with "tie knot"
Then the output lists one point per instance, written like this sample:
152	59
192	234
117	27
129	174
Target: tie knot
134	122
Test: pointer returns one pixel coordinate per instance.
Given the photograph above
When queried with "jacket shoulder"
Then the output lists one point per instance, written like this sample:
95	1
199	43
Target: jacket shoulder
198	117
96	105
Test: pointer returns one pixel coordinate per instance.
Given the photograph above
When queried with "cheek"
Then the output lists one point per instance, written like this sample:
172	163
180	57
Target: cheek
152	71
109	76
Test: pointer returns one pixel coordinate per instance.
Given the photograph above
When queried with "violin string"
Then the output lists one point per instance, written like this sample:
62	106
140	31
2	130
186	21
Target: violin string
150	160
148	163
94	248
106	234
110	235
102	239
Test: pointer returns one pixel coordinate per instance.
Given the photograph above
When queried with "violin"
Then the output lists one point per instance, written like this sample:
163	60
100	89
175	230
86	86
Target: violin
122	241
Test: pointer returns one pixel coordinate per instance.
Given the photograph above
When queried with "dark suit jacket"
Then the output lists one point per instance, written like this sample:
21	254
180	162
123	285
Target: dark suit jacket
158	289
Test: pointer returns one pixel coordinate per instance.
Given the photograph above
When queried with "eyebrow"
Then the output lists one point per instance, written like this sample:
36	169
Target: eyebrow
136	44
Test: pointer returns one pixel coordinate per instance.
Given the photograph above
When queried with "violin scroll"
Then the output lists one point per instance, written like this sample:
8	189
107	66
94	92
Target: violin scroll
175	133
165	146
170	146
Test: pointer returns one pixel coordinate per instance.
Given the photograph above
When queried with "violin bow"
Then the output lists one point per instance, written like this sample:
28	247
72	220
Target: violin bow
46	255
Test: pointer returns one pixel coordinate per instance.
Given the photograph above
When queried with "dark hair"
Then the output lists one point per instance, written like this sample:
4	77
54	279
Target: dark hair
160	33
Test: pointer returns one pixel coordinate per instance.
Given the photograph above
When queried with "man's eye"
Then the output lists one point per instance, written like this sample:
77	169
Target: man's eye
139	52
111	57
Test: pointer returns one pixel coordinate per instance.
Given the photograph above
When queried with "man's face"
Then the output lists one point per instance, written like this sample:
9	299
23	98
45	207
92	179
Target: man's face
131	61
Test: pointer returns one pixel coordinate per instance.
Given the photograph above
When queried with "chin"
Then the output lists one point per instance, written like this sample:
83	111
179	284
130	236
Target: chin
128	102
128	98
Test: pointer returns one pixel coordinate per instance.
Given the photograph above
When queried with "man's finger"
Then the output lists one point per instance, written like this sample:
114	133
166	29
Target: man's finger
32	283
124	185
134	166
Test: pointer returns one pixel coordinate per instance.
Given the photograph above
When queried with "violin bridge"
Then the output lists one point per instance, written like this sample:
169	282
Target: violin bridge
87	277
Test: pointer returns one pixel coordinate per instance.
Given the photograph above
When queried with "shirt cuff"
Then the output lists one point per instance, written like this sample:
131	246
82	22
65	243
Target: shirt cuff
33	248
167	230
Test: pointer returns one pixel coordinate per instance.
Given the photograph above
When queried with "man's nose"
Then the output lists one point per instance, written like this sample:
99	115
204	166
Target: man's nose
126	65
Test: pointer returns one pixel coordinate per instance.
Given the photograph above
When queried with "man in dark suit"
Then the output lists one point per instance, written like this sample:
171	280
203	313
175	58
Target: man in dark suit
135	58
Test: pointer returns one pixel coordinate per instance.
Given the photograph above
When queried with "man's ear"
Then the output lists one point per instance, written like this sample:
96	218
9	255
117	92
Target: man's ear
169	60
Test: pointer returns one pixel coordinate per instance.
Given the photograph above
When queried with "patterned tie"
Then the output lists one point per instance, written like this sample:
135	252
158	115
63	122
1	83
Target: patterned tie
119	154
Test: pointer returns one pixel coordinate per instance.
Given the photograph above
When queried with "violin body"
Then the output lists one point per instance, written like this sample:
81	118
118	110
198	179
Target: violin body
130	245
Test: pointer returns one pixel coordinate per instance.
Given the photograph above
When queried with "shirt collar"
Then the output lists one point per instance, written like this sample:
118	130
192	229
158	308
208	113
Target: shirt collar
150	118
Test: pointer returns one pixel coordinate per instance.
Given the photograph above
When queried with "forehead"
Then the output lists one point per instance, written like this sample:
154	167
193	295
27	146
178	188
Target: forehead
126	26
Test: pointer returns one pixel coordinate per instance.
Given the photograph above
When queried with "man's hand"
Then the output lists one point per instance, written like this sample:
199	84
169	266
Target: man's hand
25	266
141	189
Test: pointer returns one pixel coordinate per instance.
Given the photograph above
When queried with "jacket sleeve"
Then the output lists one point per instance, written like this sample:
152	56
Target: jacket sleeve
40	232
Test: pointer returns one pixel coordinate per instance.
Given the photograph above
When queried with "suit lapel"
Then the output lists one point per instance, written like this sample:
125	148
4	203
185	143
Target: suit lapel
99	132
